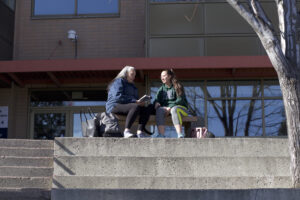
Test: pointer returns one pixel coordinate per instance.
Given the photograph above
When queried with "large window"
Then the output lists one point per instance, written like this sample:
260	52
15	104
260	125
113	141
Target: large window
236	108
75	7
56	113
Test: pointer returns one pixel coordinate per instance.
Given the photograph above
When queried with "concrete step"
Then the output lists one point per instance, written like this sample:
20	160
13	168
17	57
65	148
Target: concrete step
26	171
171	166
172	147
24	143
133	194
25	182
26	152
26	161
25	194
171	183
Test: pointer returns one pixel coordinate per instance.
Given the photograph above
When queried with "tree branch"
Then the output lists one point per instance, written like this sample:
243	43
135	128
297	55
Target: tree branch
261	14
287	15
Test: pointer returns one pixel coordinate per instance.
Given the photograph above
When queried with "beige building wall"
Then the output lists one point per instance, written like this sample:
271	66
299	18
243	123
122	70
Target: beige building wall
97	37
16	100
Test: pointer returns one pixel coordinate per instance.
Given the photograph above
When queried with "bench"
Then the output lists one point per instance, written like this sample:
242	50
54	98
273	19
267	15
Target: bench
186	122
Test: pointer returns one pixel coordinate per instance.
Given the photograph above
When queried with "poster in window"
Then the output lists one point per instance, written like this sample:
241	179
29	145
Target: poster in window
3	121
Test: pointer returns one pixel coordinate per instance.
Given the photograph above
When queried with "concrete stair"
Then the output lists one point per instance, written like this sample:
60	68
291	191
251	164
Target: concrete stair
26	169
218	168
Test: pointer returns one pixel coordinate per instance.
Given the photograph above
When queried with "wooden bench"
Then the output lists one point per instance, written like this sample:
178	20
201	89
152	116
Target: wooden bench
186	122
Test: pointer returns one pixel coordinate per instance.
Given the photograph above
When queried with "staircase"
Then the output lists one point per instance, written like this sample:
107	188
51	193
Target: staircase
218	168
26	169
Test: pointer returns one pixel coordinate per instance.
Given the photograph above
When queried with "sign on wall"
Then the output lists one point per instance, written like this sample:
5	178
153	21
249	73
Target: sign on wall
3	121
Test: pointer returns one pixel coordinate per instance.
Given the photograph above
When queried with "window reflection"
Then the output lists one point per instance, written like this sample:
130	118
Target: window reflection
75	7
96	6
272	89
49	125
235	117
233	89
54	7
234	108
275	118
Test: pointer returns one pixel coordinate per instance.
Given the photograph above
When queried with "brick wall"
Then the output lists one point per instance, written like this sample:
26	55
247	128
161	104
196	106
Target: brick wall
98	37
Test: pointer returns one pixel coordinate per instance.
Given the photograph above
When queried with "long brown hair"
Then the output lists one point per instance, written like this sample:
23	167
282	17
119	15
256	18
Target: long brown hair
177	86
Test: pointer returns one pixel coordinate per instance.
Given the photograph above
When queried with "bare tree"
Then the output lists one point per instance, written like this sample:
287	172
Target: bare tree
283	52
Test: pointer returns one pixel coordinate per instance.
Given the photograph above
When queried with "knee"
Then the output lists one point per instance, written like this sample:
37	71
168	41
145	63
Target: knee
174	111
135	107
160	111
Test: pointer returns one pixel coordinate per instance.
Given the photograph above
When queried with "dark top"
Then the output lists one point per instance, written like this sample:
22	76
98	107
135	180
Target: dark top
167	97
122	92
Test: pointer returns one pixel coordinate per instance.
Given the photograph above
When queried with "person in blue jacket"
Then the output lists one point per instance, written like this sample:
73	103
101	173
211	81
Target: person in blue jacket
123	100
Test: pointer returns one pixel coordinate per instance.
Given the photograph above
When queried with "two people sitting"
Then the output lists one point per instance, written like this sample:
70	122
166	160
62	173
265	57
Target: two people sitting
170	100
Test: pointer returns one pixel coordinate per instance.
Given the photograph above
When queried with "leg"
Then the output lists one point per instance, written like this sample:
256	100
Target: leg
160	119
177	112
131	110
144	116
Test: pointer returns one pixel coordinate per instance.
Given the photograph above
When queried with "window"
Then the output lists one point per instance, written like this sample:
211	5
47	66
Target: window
56	113
236	108
10	3
174	0
75	7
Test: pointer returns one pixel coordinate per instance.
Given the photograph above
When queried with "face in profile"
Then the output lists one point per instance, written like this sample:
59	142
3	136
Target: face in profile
165	77
131	75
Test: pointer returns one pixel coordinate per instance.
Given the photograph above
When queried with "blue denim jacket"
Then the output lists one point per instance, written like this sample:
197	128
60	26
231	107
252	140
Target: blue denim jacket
122	92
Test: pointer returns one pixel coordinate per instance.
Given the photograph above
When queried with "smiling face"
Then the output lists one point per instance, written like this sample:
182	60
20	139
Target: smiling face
165	78
131	75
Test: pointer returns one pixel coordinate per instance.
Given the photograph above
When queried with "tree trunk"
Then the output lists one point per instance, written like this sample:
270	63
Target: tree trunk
290	87
285	58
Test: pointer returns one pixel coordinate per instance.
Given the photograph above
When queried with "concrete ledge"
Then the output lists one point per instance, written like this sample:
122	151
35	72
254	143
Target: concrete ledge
26	152
29	161
170	166
252	194
171	147
26	182
171	183
24	143
26	171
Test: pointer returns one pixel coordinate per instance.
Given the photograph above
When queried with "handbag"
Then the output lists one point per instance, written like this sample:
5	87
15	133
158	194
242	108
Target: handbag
88	126
201	132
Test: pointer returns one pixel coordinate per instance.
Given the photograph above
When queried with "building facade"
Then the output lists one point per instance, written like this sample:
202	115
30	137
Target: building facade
228	78
6	29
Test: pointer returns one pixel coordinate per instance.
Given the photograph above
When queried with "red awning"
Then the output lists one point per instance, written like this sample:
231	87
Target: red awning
104	69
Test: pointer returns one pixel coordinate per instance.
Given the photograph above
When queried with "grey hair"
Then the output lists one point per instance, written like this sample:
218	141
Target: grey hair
122	74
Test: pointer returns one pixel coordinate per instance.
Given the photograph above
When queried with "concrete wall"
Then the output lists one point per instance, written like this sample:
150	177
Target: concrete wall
97	37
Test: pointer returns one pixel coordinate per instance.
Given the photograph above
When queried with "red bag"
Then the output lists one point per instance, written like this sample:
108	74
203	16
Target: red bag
201	132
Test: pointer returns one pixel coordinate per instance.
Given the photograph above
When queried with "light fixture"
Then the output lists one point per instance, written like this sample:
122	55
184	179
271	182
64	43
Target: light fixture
72	35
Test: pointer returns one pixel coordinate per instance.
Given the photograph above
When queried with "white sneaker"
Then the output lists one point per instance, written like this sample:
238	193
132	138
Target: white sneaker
128	134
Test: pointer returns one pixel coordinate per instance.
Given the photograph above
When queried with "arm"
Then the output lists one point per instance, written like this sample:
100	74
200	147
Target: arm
117	90
158	98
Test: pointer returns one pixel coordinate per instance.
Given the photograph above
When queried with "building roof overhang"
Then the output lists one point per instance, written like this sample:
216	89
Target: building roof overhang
63	71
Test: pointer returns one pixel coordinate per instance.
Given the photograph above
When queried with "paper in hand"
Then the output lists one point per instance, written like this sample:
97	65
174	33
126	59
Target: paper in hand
145	98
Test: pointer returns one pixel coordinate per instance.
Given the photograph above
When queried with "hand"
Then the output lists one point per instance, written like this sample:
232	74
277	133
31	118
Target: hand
157	105
168	109
140	103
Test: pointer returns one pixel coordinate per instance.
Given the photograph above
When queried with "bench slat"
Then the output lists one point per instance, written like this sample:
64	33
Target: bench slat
152	121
